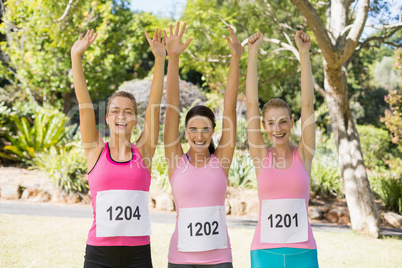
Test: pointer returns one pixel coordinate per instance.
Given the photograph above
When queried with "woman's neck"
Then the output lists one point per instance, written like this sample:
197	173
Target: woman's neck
198	158
282	150
120	144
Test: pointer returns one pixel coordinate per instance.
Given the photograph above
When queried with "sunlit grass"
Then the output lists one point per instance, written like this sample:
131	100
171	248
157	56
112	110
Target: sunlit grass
35	241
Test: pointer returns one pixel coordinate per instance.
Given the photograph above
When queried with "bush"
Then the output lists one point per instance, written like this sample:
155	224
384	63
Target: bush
242	172
388	187
375	143
48	129
66	166
160	170
4	129
325	180
391	193
392	117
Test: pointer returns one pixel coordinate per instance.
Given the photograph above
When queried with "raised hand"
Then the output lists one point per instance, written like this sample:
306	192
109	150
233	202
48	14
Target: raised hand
157	44
174	46
302	41
81	45
234	44
255	41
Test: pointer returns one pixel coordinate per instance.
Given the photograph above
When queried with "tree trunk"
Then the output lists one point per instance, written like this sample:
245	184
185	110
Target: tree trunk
338	40
363	211
67	101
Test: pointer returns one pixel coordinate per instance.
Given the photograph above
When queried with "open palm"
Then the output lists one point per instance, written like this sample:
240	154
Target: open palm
81	45
235	46
173	41
157	44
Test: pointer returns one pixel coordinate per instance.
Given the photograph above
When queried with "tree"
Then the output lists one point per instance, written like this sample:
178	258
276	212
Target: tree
366	95
339	38
39	35
384	74
208	22
393	117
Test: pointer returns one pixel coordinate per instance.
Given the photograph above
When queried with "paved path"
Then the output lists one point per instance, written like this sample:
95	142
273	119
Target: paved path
85	211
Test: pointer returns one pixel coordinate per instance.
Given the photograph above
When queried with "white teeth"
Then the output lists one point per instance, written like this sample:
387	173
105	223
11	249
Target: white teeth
121	124
279	136
199	143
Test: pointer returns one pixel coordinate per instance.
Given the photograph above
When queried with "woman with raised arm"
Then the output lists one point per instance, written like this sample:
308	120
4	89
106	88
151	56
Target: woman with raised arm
119	171
199	177
283	237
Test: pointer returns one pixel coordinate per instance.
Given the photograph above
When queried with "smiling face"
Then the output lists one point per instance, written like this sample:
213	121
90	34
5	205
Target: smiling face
121	116
278	125
199	131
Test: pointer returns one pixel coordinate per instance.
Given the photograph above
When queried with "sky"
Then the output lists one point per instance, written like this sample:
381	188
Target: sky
163	8
174	8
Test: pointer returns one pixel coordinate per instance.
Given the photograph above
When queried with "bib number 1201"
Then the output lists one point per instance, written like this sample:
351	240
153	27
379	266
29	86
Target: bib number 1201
124	213
209	229
282	220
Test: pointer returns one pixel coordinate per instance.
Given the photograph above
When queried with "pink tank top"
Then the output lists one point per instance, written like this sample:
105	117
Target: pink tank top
110	175
194	188
276	184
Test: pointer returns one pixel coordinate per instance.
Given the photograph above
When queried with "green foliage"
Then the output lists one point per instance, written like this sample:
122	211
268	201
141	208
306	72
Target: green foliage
367	96
160	169
242	172
66	165
398	64
325	180
372	105
391	193
322	118
241	139
393	117
209	53
387	186
4	129
47	130
39	39
375	143
385	75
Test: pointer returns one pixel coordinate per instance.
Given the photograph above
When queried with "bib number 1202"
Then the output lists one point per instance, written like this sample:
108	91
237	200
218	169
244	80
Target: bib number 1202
282	220
209	229
124	213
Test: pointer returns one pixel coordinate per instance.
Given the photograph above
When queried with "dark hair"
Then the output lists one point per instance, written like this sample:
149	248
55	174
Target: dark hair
201	110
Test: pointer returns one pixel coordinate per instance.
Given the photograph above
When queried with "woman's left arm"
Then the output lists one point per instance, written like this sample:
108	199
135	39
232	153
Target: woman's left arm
306	147
227	143
148	140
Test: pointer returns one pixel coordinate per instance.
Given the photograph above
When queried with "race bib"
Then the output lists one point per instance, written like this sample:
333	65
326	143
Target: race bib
284	221
202	229
122	213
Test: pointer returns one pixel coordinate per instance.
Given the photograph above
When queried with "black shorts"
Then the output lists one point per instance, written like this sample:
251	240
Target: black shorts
118	256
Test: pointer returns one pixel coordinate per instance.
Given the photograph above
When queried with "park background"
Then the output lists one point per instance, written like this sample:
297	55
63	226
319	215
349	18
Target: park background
356	60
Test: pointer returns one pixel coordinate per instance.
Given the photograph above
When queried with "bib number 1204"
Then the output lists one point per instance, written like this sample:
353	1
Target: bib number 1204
209	229
124	213
281	221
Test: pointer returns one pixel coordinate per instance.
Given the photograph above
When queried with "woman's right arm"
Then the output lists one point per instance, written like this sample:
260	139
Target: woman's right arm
174	47
257	147
91	140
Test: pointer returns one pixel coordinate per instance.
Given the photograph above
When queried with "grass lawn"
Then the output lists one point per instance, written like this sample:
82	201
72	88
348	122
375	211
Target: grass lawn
35	241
